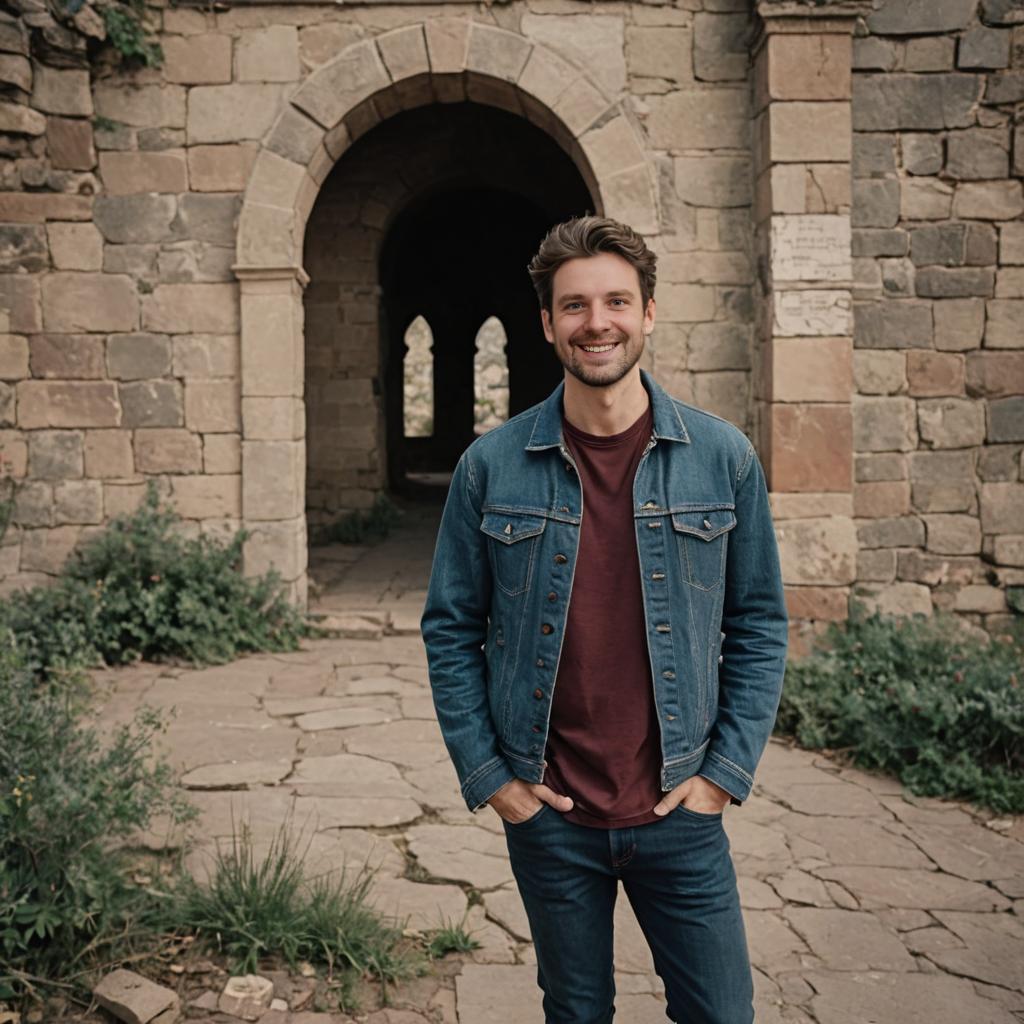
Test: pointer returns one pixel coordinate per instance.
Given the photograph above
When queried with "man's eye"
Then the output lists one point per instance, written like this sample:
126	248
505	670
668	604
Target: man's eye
573	305
620	301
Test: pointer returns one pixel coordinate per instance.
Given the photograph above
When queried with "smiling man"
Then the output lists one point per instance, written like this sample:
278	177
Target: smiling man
606	635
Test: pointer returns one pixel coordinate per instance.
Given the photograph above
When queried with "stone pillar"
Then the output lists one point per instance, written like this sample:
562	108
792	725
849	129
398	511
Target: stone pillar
803	375
274	425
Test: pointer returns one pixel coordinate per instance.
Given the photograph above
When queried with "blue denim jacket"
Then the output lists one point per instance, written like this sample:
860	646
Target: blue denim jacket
502	577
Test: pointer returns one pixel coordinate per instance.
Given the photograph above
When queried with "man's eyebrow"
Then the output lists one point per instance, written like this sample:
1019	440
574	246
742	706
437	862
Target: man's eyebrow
619	293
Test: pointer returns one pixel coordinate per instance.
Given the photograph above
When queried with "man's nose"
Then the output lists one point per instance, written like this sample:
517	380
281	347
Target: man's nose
597	319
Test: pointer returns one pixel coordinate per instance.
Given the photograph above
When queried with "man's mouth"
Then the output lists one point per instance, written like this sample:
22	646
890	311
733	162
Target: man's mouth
599	348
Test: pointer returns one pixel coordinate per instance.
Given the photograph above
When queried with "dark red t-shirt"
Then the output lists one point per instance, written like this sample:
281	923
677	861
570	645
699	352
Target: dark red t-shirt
603	745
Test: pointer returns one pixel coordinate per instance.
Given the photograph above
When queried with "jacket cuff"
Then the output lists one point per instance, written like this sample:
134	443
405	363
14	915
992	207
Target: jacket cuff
727	774
483	783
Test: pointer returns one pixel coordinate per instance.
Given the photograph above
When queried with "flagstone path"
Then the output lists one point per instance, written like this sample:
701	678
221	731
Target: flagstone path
861	905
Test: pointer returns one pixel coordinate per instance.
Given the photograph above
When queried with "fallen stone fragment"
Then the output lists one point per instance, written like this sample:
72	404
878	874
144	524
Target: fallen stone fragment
135	999
247	996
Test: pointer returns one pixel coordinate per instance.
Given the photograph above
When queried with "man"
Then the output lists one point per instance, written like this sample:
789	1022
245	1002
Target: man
606	636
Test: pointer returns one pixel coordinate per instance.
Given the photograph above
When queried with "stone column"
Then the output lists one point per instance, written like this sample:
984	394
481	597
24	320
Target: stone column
274	425
803	376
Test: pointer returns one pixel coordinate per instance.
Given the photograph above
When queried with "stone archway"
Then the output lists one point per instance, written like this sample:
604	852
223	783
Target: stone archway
443	60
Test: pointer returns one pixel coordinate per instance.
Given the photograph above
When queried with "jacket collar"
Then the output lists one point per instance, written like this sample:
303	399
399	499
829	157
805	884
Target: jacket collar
668	423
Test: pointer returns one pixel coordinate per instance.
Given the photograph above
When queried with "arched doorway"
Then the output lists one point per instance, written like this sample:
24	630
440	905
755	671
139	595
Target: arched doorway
433	214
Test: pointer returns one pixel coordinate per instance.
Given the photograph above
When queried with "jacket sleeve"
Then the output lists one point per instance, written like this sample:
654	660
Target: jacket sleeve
755	624
454	628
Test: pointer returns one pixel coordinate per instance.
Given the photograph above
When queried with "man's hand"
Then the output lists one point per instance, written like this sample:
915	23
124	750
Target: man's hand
518	800
695	794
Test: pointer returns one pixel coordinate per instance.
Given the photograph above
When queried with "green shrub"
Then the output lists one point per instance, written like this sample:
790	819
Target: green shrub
251	908
68	800
140	590
916	698
364	527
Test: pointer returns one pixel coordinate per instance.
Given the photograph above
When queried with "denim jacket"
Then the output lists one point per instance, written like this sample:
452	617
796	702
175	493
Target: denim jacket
498	598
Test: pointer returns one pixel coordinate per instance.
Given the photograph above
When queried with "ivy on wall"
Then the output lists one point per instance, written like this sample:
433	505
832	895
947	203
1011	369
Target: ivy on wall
123	25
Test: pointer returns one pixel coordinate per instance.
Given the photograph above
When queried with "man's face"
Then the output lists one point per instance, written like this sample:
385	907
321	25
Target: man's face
598	321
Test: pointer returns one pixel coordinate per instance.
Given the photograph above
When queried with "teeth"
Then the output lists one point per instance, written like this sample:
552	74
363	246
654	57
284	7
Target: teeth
597	348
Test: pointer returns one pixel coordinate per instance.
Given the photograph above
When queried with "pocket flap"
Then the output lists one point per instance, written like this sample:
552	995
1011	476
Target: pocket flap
707	525
508	527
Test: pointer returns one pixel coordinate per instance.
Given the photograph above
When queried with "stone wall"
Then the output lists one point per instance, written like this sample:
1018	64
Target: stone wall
938	247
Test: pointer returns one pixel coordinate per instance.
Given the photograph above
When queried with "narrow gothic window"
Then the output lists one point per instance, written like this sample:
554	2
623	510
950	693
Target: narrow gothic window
419	379
490	376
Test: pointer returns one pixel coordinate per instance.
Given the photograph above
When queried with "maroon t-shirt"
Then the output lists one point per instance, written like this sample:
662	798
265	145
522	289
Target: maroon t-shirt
603	745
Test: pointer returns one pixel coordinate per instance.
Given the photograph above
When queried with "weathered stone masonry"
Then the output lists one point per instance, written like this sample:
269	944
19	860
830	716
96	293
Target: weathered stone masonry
834	191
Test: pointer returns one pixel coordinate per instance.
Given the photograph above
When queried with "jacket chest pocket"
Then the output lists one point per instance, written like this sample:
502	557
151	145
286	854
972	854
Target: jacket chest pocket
701	538
512	540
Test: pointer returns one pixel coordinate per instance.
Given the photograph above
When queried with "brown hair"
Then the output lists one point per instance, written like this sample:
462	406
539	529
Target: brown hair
588	236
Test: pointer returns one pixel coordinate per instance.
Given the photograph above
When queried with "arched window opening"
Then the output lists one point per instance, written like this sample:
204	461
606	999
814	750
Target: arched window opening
490	376
418	370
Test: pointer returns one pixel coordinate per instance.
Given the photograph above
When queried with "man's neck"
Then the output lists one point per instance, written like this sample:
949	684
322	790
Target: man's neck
605	411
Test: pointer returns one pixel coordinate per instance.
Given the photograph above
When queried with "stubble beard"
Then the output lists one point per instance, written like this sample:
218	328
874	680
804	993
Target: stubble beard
610	373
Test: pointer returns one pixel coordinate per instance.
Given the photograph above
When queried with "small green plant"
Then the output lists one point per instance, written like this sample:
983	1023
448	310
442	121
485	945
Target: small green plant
69	800
104	124
254	907
128	32
451	937
916	698
362	527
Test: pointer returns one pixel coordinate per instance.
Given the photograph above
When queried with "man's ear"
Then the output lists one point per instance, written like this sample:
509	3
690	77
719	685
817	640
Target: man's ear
649	317
545	320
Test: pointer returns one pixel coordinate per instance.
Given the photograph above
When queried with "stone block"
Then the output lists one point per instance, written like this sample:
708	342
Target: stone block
925	199
929	53
1004	325
953	534
77	501
876	203
67	404
713	181
33	504
953	283
813	313
978	153
268	54
18	120
816	604
136	219
655	52
934	467
884	424
1002	508
140	106
213	406
882	372
273	419
220	168
1008	550
1006	418
725	393
885	466
713	346
134	999
108	454
873	154
1007	87
61	91
629	197
716	118
982	47
811	447
981	599
921	153
75	246
882	498
55	454
205	355
944	495
935	374
233	113
894	532
809	67
23	248
887	102
982	246
799	131
721	47
264	233
959	324
873	54
1010	283
989	200
203	59
876	566
207	497
879	242
69	144
14	357
66	356
998	462
598	44
273	475
1011	243
89	302
939	244
909	17
995	374
810	247
222	453
133	173
167	450
138	356
192	309
812	369
893	324
897	599
273	364
280	545
295	137
47	550
818	551
951	422
210	218
447	44
151	403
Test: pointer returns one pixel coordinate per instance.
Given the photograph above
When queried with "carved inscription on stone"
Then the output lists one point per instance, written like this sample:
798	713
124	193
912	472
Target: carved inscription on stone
812	247
813	313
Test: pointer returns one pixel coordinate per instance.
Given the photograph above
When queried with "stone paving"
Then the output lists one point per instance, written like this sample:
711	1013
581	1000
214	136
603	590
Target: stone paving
860	904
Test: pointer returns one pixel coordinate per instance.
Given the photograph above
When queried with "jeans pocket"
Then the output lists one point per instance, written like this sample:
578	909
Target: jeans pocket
530	820
699	815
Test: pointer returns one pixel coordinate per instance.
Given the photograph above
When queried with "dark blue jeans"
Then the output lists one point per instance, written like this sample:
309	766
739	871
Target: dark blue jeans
680	881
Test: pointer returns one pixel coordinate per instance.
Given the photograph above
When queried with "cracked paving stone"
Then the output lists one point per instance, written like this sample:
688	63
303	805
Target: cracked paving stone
373	686
237	773
463	854
498	994
425	906
289	707
925	941
796	886
851	841
849	940
993	948
344	718
496	945
835	799
418	707
438	786
910	998
757	895
976	853
924	890
187	741
357	811
349	775
413	744
774	946
506	906
925	811
748	838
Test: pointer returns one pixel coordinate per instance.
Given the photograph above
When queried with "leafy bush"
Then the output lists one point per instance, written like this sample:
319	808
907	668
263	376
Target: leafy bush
252	908
140	590
916	698
363	527
67	799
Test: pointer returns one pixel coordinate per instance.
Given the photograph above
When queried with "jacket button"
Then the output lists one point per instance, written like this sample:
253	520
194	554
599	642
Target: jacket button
552	596
560	559
669	674
720	658
547	628
538	693
540	663
535	728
